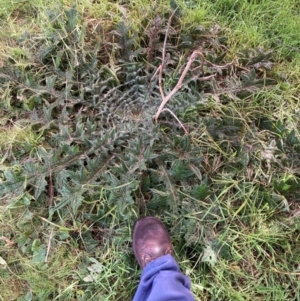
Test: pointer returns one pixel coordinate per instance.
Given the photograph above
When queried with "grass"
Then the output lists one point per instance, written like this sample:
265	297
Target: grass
235	229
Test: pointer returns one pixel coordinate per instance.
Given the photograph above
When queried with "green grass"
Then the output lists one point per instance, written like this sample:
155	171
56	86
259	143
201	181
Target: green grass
228	193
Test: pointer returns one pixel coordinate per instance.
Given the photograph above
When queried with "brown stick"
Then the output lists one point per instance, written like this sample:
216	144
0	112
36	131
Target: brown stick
163	60
178	85
185	130
49	245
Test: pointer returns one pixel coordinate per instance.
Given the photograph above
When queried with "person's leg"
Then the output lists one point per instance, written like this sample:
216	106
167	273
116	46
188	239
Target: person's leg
161	278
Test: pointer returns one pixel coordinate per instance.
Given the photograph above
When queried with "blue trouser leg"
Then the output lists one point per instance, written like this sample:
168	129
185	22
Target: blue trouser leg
162	280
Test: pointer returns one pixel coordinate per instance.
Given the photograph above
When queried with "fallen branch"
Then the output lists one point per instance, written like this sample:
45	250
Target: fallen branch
185	130
165	99
160	69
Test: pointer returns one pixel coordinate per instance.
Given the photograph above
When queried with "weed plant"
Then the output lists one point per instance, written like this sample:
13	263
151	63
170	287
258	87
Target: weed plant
82	157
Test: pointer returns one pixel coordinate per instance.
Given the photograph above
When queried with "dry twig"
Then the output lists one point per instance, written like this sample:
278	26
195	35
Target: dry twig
179	84
49	245
165	99
185	130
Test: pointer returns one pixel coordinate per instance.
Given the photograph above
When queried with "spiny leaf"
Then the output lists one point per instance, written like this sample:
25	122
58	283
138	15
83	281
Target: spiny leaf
39	187
72	18
209	256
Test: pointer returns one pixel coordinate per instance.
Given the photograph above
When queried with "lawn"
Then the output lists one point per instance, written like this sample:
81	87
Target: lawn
86	147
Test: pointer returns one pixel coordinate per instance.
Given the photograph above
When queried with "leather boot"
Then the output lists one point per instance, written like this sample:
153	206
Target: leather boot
150	240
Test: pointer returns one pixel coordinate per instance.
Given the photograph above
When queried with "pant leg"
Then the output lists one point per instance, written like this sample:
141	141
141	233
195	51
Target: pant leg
162	280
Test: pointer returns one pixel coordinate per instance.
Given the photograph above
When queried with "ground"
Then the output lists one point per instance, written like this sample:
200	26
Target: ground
85	149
